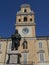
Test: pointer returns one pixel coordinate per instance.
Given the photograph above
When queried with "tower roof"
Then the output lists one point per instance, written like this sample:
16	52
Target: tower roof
25	5
25	13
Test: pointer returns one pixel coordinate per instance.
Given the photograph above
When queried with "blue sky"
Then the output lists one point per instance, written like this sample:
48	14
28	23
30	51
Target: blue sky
8	9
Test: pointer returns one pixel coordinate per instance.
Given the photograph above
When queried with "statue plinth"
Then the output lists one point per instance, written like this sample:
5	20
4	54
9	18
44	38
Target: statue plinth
12	52
13	57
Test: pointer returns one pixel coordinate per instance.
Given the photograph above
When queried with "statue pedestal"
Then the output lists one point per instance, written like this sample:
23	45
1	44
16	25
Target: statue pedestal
13	58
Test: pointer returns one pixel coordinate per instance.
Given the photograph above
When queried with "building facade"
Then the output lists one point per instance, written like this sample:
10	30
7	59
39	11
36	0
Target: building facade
35	50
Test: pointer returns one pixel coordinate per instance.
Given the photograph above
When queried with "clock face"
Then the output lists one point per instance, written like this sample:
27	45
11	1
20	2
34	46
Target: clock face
25	30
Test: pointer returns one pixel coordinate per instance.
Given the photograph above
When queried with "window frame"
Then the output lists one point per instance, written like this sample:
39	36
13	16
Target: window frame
40	44
41	56
10	44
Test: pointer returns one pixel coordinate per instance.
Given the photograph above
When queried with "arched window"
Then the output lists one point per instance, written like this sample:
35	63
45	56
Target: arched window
25	19
19	20
30	19
25	44
25	10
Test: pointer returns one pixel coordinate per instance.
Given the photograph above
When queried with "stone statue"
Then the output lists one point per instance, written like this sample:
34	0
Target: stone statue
15	40
24	44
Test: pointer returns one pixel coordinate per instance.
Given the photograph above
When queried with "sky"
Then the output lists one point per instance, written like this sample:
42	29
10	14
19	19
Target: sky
8	9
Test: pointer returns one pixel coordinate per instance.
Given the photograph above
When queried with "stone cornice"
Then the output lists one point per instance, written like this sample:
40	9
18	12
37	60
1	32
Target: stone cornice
5	39
19	14
31	38
41	51
24	24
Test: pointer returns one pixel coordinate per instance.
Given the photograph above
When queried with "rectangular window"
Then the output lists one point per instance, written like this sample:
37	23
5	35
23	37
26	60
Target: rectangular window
40	45
0	45
41	57
10	44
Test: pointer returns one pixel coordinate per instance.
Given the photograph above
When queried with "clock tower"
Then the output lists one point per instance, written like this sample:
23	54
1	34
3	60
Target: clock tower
25	21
